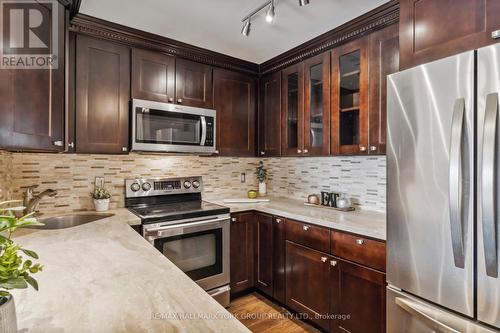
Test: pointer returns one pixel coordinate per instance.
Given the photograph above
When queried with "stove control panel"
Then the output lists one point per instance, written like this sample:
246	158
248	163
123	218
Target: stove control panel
162	186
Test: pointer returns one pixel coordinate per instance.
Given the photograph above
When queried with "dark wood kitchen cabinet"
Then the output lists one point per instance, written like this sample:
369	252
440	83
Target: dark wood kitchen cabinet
434	29
279	239
102	98
153	76
193	84
306	107
383	60
33	100
360	293
242	252
270	116
308	282
235	102
264	253
349	77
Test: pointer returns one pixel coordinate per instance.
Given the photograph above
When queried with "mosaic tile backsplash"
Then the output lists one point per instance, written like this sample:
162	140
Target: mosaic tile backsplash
362	178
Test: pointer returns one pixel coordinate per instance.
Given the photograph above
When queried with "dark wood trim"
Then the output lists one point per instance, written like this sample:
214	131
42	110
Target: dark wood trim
376	19
118	33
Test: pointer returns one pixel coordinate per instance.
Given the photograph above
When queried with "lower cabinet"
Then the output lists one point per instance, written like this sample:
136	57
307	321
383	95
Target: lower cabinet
308	282
264	253
279	259
241	252
358	292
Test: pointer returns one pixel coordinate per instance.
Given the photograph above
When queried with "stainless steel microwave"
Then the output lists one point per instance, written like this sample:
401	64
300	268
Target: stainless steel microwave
165	127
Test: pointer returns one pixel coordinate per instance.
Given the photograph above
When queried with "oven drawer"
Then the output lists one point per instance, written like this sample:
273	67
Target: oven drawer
359	249
308	235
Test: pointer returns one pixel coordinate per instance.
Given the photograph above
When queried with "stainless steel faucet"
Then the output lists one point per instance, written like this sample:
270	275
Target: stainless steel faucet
31	201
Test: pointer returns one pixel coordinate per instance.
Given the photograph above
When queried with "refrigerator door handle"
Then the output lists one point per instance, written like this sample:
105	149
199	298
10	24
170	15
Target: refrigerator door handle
455	181
488	185
418	311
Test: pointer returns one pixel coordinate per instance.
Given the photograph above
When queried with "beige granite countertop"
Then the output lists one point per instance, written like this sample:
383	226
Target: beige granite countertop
361	222
104	277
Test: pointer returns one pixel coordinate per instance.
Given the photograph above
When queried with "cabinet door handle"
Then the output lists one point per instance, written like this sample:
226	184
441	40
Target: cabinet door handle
71	145
170	100
373	148
333	263
263	153
306	151
179	100
362	148
233	219
278	221
359	241
58	143
299	151
306	227
124	149
324	259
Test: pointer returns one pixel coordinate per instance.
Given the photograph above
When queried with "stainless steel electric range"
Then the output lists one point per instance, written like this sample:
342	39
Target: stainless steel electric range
191	233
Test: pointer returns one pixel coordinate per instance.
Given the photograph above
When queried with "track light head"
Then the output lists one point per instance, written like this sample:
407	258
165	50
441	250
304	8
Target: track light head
245	31
303	2
270	12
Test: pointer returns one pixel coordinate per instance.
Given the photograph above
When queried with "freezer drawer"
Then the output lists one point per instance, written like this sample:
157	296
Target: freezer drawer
409	314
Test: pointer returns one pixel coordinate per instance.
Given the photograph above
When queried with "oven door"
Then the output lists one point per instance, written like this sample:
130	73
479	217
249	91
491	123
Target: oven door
166	127
199	247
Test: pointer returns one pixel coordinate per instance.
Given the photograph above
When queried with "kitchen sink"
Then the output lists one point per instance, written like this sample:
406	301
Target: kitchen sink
68	221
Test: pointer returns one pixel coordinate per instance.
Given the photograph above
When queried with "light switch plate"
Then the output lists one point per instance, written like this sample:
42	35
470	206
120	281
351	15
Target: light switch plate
99	182
243	177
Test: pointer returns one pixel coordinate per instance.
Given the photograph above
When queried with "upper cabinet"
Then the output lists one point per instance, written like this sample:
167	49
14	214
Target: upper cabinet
350	98
270	116
306	108
193	84
434	29
235	103
384	60
153	76
33	100
102	96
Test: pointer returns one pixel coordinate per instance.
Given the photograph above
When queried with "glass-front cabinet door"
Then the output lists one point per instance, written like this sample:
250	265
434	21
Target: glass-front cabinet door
293	110
350	98
317	105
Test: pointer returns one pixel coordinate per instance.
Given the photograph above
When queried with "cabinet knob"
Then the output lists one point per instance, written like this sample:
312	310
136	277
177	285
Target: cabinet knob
362	148
306	151
373	148
299	151
306	227
233	219
359	241
495	34
170	100
324	259
179	100
263	153
124	149
278	221
333	263
58	143
71	145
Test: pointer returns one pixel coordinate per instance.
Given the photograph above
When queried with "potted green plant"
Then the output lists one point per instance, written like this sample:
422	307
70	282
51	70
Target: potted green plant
101	198
16	267
262	177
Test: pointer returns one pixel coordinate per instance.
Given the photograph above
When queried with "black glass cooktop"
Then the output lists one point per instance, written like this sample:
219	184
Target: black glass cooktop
153	213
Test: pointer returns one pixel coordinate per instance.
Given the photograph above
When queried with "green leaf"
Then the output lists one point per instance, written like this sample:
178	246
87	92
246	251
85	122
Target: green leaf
30	253
32	282
14	283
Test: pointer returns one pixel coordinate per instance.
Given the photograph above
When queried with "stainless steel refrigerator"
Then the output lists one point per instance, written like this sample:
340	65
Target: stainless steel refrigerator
443	211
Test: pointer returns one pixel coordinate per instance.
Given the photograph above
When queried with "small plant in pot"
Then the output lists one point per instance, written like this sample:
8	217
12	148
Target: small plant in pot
101	198
262	177
16	264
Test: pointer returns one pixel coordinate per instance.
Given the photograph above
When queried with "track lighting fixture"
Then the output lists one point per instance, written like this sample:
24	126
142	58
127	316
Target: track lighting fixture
270	12
245	31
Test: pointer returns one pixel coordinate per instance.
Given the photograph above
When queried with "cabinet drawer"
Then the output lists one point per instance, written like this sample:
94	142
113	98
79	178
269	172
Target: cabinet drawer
309	235
359	249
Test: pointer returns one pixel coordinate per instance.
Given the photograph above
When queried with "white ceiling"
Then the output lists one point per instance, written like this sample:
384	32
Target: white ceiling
216	24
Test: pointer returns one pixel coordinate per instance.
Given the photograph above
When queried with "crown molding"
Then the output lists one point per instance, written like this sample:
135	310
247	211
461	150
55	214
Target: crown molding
376	19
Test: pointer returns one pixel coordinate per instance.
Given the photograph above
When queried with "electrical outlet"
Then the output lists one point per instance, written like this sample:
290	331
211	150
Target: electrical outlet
243	177
99	182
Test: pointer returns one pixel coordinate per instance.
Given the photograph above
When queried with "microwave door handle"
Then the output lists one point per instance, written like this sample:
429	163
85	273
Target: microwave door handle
488	185
455	180
203	130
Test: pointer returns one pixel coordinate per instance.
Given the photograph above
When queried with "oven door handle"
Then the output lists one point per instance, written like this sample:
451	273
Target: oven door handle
159	230
203	130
